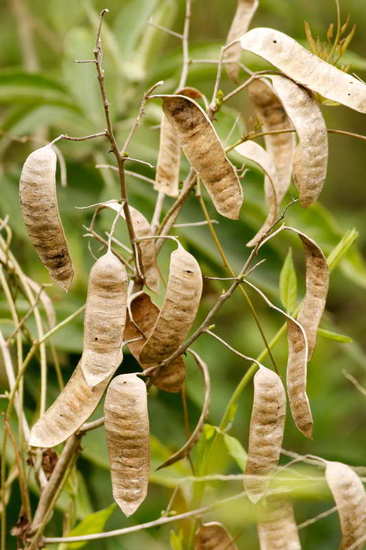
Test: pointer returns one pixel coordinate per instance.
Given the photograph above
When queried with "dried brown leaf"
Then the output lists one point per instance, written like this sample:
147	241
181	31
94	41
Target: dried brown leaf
38	200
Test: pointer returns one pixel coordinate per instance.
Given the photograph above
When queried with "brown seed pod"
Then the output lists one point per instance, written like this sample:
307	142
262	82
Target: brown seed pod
350	498
273	117
278	529
69	411
144	315
243	16
182	299
205	152
296	374
311	155
127	431
147	246
255	153
184	451
213	536
105	318
317	284
266	432
306	68
168	164
41	216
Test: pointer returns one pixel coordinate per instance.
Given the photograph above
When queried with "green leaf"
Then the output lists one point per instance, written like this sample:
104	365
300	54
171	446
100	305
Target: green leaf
335	336
288	283
176	540
338	253
94	523
236	450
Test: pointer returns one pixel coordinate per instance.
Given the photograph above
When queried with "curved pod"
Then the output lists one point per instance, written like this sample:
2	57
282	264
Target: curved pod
267	424
205	152
278	529
127	430
305	68
41	216
105	318
213	536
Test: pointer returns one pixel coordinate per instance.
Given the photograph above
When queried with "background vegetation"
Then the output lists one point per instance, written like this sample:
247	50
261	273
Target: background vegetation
44	93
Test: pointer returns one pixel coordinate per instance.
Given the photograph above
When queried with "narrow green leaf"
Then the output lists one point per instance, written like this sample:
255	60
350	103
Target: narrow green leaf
288	283
335	336
176	540
236	450
338	253
94	523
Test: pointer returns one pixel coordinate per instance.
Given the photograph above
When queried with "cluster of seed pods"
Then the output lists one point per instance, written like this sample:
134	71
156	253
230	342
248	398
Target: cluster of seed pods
154	334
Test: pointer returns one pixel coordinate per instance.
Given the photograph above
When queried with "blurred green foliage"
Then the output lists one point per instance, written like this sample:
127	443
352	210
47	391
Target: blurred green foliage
61	96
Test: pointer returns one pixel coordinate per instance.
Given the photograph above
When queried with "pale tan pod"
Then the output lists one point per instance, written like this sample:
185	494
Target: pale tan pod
181	302
311	155
317	284
273	117
168	164
278	529
127	430
243	16
267	424
306	68
213	536
105	318
255	153
147	249
41	216
68	412
145	313
205	152
350	498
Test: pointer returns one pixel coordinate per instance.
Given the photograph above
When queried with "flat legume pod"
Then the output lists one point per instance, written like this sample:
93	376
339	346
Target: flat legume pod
127	430
181	302
41	216
244	14
278	529
305	68
105	318
213	536
255	153
311	155
145	313
350	498
68	412
273	117
266	432
205	152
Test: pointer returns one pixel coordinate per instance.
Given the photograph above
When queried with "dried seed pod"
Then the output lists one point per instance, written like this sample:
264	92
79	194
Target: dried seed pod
168	164
278	529
182	299
213	536
350	498
127	430
243	16
205	152
184	451
69	411
255	153
306	68
311	155
273	117
147	249
105	318
266	432
41	216
317	284
144	315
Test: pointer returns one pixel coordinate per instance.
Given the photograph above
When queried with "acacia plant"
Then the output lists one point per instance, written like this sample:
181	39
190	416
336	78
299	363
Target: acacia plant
148	325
